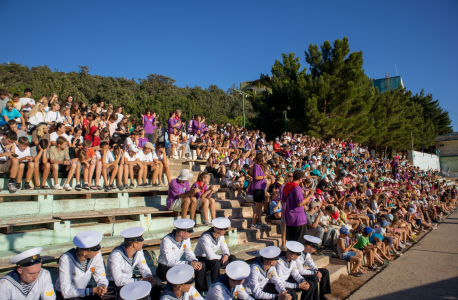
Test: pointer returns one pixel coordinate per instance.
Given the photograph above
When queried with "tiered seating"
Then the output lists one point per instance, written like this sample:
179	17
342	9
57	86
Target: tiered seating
50	219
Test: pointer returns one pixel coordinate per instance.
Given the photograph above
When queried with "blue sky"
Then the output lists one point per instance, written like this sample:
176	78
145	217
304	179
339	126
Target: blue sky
225	42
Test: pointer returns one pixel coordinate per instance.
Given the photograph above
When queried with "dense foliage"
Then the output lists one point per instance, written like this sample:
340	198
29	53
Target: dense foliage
157	92
335	99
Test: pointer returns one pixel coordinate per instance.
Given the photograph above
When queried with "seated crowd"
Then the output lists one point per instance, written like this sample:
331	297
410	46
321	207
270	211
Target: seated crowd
327	195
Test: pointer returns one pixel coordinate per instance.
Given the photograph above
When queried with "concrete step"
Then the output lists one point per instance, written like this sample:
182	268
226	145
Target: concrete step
236	212
224	204
251	235
335	271
219	195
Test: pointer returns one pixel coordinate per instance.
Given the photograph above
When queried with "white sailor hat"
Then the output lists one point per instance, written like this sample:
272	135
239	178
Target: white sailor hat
135	290
184	224
27	258
88	240
294	246
221	223
270	252
312	240
133	234
180	274
238	270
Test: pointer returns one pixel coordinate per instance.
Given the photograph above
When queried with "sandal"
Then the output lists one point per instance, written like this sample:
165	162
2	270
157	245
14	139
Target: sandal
93	187
98	187
357	274
196	225
45	187
37	188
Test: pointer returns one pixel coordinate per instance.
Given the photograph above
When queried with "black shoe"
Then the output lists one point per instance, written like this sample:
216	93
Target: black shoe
121	187
112	186
18	185
107	188
131	186
27	186
78	187
86	186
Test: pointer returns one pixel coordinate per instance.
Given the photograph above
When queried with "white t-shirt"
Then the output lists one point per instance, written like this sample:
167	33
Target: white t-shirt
120	117
22	154
129	158
37	118
127	142
3	150
52	116
24	101
109	158
53	137
146	157
159	157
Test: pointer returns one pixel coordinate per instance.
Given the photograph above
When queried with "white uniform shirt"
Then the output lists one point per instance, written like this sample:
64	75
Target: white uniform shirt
12	289
208	245
304	261
285	269
120	267
171	251
258	279
192	294
221	290
73	277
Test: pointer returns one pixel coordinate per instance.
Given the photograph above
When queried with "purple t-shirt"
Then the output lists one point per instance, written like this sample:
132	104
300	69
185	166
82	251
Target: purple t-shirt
170	123
148	124
198	194
175	189
294	214
142	142
258	184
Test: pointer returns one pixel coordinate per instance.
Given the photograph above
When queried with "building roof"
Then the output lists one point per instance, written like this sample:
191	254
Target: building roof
447	137
393	83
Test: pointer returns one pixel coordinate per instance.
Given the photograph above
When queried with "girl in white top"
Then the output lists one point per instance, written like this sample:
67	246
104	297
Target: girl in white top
37	115
130	162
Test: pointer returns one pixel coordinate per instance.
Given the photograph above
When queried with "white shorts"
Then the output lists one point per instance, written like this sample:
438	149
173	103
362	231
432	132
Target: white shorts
176	205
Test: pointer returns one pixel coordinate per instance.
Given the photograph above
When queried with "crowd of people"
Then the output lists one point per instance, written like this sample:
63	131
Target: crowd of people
327	195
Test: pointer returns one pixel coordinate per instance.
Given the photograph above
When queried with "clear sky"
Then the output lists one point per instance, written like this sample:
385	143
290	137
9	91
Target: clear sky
225	42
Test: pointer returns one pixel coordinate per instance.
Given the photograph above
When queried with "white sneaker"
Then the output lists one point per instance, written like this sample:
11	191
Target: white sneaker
402	245
58	187
67	187
408	244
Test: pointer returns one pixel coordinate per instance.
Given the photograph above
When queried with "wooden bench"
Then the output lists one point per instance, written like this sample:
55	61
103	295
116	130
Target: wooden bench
109	217
8	228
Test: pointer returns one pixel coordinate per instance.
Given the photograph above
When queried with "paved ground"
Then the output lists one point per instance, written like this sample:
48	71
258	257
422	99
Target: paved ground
429	270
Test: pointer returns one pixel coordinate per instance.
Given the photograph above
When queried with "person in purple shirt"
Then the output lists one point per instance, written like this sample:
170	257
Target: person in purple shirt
258	189
180	197
198	124
172	122
149	124
295	219
204	199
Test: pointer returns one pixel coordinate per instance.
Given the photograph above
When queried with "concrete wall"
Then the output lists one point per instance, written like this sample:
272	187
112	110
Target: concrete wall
447	148
423	160
451	161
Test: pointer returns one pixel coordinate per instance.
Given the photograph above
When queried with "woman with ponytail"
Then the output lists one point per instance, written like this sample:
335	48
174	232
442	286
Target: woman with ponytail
258	188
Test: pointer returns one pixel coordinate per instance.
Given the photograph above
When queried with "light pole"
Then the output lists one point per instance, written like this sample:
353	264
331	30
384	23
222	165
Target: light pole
286	127
243	104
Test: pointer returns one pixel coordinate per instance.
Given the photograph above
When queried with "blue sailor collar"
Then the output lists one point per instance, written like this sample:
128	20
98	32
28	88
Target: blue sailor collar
13	278
122	250
73	254
171	237
209	232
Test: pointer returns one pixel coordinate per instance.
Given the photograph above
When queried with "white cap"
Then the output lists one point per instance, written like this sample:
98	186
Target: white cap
185	174
312	239
294	246
29	257
270	252
133	148
238	270
215	151
184	223
135	290
180	274
221	222
87	239
132	232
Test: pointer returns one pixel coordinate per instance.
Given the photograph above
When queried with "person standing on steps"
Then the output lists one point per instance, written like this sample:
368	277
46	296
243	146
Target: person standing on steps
211	241
124	258
320	277
264	282
29	280
230	285
258	189
172	247
288	272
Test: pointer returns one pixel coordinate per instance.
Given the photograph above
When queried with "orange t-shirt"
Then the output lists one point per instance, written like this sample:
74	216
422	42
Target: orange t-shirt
90	153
